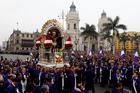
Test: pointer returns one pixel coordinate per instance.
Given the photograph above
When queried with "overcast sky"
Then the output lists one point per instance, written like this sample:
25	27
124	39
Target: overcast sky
32	14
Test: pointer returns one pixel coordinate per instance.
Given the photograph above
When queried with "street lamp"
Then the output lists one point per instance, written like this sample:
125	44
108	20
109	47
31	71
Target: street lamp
76	42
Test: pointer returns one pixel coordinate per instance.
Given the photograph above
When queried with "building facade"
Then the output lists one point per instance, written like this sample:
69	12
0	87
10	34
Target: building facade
73	30
22	41
72	26
129	44
26	41
103	43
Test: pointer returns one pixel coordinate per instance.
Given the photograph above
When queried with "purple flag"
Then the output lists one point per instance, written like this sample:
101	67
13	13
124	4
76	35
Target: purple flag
91	52
136	57
122	54
101	53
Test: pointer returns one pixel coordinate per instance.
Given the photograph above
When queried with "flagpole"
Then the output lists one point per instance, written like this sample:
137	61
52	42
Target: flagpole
17	25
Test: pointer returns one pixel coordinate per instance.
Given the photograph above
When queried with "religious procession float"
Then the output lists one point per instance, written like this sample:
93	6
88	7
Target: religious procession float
54	45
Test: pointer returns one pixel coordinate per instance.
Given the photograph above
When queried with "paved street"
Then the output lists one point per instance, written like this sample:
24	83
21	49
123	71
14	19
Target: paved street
99	89
14	56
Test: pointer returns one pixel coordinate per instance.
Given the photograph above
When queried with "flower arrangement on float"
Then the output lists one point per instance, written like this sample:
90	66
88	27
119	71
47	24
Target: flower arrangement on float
68	44
48	42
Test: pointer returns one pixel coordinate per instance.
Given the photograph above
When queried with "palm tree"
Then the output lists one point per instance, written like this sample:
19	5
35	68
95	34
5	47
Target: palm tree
123	38
89	31
113	25
136	38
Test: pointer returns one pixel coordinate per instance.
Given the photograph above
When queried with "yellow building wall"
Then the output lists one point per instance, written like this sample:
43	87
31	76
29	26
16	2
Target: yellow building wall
129	45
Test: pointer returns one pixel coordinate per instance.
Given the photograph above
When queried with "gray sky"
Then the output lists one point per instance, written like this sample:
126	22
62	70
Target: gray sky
32	14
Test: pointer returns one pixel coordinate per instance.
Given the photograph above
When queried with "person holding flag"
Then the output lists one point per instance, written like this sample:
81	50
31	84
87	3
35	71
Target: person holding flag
136	60
90	52
136	56
101	53
122	54
72	53
135	83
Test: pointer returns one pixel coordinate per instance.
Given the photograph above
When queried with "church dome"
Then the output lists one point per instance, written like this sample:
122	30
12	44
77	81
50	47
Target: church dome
73	7
103	14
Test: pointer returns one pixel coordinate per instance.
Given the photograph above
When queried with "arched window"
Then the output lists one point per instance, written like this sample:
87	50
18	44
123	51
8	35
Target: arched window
17	42
17	34
17	48
27	35
31	36
75	26
22	35
68	26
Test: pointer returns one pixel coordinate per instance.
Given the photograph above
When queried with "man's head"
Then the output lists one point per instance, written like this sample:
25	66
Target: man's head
18	75
11	76
44	89
23	69
14	69
119	86
118	71
135	75
16	81
1	69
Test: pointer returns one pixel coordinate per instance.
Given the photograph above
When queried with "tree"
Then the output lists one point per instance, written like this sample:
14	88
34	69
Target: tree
135	38
89	31
123	38
113	25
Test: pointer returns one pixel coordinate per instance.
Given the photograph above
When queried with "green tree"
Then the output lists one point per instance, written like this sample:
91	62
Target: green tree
123	38
135	38
89	31
113	25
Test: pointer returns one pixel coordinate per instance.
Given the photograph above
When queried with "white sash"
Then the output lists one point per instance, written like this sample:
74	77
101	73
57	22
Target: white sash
62	81
75	82
52	81
17	90
100	75
134	86
118	78
23	85
110	74
39	78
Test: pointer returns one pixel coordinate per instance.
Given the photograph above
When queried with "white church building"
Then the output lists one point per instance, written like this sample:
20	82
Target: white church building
73	30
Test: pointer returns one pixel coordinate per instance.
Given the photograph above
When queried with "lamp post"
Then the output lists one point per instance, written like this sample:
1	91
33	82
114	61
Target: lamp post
76	42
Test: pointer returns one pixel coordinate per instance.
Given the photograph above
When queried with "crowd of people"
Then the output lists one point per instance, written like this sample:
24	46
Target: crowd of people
26	76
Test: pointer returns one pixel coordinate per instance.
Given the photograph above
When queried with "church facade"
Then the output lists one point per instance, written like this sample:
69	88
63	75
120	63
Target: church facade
73	30
103	43
72	27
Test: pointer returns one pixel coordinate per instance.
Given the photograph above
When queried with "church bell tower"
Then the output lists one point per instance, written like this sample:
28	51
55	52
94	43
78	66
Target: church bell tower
72	24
